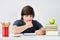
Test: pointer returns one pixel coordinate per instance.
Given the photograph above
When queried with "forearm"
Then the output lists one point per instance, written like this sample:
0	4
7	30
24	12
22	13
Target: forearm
17	30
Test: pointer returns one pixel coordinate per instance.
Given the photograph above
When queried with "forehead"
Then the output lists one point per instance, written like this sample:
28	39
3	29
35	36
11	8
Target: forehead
28	15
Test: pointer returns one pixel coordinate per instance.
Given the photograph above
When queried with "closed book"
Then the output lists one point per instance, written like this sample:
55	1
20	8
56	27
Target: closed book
51	29
51	32
51	26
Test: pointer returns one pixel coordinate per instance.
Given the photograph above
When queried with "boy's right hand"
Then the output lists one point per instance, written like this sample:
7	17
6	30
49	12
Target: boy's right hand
29	24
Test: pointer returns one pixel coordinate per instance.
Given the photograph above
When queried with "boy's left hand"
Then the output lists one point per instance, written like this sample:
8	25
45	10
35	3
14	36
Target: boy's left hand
41	31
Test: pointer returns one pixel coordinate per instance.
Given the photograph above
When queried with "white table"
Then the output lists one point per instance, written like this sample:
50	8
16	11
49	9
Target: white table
22	37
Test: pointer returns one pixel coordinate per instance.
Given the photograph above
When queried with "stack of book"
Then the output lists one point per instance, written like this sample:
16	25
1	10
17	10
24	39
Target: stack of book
51	29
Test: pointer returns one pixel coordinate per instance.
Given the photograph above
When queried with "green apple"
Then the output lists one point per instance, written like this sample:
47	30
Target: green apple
52	21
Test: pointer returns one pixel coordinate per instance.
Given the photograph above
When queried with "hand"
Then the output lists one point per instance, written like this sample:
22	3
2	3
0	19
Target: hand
29	24
40	31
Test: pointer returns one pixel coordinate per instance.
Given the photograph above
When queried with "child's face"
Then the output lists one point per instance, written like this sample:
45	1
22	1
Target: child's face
27	18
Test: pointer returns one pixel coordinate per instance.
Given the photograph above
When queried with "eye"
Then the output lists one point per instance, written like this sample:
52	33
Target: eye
26	15
31	16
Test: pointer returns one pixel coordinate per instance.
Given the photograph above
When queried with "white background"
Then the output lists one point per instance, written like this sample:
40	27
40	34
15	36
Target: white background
44	10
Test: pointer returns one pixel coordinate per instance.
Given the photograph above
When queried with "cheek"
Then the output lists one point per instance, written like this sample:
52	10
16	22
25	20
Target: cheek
25	18
31	18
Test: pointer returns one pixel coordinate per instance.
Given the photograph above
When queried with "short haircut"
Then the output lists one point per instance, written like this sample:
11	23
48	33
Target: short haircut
27	10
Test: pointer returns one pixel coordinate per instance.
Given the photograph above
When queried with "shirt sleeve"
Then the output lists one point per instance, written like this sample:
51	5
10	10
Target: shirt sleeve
38	25
17	23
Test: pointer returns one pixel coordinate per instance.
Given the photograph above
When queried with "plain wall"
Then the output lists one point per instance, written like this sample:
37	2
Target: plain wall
44	10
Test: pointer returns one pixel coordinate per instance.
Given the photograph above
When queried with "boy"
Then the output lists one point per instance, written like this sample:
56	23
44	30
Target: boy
27	24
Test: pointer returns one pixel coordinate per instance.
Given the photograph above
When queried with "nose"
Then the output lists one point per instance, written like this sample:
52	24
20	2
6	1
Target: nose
29	17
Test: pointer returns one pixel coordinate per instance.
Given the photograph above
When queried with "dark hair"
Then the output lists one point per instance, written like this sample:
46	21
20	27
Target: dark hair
27	10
